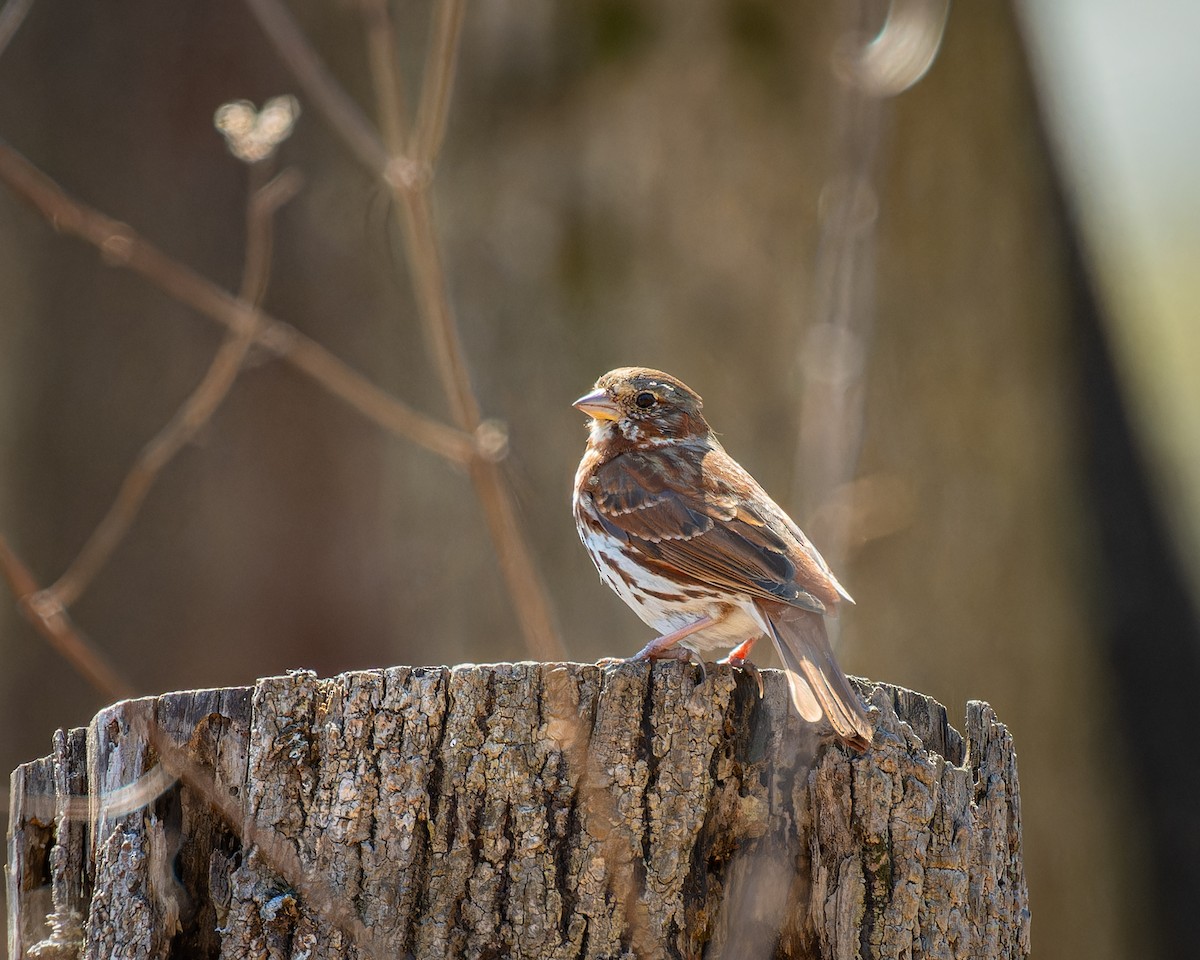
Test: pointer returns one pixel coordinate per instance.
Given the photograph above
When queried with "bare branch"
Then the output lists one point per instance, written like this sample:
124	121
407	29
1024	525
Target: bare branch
198	408
383	52
516	561
438	83
264	201
122	246
433	305
442	337
11	18
409	182
51	621
339	108
318	893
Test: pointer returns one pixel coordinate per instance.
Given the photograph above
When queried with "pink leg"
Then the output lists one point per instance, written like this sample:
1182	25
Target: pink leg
660	648
665	647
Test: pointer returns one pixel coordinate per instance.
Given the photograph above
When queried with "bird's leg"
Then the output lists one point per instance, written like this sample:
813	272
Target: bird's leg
667	646
739	656
664	647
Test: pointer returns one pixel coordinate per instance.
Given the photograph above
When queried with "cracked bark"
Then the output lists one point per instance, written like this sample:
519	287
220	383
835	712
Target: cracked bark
518	810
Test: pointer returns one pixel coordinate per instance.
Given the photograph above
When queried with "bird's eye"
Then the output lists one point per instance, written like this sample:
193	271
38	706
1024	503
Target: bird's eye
645	399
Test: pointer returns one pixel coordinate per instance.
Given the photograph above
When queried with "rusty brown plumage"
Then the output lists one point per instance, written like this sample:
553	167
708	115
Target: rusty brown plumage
691	542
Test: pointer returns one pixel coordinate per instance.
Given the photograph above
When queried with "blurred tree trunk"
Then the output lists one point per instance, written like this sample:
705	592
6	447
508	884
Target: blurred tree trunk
518	811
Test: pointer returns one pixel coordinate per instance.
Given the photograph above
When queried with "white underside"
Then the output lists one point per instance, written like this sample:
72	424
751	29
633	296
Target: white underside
736	620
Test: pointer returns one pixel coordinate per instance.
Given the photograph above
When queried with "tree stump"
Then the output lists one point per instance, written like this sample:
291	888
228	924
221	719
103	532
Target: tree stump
517	810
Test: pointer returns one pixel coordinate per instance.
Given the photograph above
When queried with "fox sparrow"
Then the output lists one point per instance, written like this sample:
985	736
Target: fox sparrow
695	546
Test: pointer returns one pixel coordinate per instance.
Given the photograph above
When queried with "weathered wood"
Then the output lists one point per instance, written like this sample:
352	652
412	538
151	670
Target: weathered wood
518	810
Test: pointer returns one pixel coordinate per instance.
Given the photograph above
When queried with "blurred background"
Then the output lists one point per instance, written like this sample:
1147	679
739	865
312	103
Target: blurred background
945	320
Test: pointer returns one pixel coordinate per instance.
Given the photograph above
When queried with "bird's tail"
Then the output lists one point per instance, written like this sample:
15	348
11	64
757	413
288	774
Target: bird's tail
819	687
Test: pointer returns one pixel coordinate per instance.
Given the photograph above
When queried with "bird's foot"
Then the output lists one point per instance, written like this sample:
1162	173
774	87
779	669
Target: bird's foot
739	657
655	650
741	663
647	653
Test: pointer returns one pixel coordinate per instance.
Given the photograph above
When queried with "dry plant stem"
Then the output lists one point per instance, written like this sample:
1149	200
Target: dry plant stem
266	197
441	329
491	486
433	305
278	853
200	405
52	622
339	109
438	82
391	102
122	246
400	172
411	191
11	18
516	562
832	421
408	178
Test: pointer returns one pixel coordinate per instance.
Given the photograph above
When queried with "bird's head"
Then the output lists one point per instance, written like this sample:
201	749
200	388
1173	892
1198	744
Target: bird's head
643	405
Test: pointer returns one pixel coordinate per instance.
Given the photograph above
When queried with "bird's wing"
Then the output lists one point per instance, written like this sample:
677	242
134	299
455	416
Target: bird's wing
696	511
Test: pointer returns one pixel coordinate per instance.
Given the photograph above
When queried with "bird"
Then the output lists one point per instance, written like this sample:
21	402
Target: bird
694	545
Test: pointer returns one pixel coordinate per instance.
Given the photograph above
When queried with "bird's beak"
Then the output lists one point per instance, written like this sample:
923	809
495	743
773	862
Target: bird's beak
598	404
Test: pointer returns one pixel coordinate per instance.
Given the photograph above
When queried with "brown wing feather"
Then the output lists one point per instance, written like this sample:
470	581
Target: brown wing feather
732	536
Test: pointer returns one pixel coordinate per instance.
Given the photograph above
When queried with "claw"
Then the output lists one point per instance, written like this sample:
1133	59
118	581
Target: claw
700	668
742	663
753	671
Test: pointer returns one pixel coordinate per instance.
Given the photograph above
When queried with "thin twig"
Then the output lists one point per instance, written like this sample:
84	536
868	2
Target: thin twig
438	83
52	622
843	308
390	100
264	202
441	334
411	194
315	79
278	852
122	246
11	18
420	236
200	405
402	176
516	562
433	305
867	75
409	181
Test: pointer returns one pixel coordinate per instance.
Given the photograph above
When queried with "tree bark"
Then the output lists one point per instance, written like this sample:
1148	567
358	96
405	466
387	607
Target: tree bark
517	810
